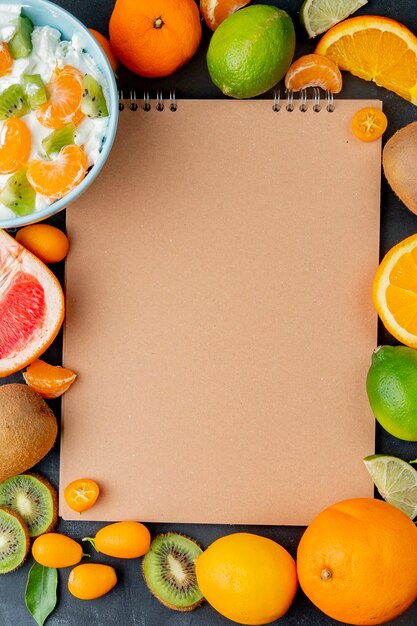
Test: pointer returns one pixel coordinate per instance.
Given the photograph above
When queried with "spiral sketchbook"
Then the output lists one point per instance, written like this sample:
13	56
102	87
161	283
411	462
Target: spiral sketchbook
219	314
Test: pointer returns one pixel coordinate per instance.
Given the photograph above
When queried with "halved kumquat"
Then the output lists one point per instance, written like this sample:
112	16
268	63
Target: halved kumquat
81	494
394	291
314	70
65	97
58	177
15	145
49	381
369	124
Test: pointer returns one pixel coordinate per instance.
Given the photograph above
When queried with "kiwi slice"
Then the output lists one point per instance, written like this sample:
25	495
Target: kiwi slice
58	139
94	102
35	90
20	45
14	541
18	195
169	571
13	102
34	499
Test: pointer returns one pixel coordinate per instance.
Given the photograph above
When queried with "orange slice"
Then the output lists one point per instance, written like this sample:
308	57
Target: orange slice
6	60
15	145
216	11
31	306
375	48
314	70
49	381
58	177
65	97
369	124
395	291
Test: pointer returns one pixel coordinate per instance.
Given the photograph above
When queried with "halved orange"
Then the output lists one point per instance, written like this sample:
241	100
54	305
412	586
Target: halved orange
216	11
65	96
6	60
15	145
31	306
394	291
58	177
49	381
314	70
375	48
369	123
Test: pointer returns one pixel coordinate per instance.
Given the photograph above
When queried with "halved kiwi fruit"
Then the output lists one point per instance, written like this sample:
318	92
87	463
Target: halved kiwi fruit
13	102
18	194
20	45
93	103
169	571
14	541
34	499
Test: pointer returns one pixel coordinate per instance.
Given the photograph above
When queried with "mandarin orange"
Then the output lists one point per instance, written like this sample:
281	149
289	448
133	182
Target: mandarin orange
65	97
357	561
155	37
314	70
15	145
58	177
216	11
108	50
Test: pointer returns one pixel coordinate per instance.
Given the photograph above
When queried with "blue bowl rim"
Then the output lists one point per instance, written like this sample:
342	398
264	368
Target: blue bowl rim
105	66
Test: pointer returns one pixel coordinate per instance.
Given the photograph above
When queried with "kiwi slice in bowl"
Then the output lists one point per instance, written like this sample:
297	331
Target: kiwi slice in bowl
14	541
94	103
13	102
34	499
169	571
18	194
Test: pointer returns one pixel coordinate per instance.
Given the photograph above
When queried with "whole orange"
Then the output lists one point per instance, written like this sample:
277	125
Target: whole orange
108	50
357	561
155	37
247	578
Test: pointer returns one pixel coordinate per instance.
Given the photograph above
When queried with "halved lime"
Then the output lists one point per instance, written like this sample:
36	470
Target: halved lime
395	480
317	16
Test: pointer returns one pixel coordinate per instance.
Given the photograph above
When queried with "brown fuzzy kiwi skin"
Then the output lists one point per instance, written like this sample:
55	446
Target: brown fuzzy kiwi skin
54	496
398	159
185	609
28	429
25	529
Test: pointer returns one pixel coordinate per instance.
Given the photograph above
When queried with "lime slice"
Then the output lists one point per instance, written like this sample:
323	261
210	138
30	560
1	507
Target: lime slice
395	480
317	16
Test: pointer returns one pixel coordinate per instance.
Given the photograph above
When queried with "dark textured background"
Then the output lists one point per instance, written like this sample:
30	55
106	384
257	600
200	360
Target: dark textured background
130	604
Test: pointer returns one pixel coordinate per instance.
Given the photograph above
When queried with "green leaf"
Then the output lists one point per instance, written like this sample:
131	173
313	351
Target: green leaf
40	595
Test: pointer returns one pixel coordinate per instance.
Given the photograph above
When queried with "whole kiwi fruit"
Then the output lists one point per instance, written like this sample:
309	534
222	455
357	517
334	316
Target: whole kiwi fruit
28	429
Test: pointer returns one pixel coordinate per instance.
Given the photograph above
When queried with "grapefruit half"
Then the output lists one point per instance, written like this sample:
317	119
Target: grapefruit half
31	306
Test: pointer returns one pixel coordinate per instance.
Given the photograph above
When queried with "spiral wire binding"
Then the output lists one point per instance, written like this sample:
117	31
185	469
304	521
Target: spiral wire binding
276	106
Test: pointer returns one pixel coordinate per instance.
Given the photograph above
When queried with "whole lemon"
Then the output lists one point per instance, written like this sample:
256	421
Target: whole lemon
391	385
247	578
251	51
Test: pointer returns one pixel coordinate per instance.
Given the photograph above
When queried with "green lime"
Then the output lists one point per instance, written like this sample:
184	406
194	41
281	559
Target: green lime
251	51
391	385
395	480
317	16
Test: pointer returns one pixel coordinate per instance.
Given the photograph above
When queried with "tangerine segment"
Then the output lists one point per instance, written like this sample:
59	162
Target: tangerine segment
58	177
81	494
375	48
369	124
65	97
314	70
15	145
49	381
6	60
216	11
395	291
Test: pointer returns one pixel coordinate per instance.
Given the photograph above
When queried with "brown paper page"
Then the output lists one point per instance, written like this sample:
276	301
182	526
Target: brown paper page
219	316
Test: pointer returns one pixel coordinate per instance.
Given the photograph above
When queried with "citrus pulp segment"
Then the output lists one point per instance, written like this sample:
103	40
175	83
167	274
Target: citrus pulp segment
314	70
216	11
58	177
65	97
15	145
395	480
317	16
375	48
31	306
394	291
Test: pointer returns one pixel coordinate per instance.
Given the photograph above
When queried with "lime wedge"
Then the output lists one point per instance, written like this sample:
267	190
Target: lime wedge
317	16
395	480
